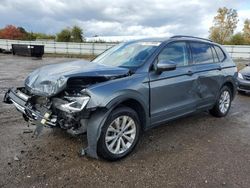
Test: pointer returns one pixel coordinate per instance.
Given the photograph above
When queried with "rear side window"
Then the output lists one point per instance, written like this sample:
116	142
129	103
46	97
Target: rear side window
220	53
202	53
176	53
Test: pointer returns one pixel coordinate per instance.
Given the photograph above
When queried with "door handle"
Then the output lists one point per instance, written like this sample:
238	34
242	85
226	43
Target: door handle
190	73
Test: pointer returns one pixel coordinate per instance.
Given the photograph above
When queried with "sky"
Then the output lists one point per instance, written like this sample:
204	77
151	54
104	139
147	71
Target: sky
119	17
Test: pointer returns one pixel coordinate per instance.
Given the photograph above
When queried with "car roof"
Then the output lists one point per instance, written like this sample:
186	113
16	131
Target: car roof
174	38
156	39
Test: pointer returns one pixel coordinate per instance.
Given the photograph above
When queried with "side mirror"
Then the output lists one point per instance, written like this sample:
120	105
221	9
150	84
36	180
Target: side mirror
162	66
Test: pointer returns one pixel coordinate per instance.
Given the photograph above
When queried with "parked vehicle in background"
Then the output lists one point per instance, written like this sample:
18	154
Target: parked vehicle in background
130	88
244	80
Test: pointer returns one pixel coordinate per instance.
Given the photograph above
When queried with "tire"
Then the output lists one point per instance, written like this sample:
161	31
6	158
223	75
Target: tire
106	146
217	110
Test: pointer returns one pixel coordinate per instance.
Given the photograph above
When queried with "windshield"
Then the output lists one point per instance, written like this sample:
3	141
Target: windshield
127	54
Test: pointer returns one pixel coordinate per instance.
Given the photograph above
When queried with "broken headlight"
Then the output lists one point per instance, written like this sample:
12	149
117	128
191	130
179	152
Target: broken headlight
76	104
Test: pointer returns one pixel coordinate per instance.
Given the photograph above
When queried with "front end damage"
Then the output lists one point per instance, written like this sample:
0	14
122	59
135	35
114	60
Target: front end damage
56	96
66	112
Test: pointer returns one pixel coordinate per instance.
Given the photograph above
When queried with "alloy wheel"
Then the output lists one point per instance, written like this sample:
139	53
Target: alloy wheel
224	102
120	134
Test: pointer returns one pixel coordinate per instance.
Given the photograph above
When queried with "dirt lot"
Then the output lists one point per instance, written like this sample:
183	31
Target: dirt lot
197	151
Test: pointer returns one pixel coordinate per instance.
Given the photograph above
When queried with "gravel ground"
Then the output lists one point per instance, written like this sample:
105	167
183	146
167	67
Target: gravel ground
197	151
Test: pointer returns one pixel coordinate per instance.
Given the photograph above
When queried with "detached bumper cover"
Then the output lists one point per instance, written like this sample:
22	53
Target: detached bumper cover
21	102
243	85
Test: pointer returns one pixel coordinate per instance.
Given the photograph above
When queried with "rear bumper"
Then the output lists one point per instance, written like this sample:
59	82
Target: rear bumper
21	102
243	85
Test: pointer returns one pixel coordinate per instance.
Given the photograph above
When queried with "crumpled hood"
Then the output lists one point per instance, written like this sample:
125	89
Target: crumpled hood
52	79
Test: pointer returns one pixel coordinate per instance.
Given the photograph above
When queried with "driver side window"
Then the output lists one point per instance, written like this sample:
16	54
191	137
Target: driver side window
175	53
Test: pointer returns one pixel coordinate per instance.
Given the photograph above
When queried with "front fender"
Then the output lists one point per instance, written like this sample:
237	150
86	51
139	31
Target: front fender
126	95
94	128
99	117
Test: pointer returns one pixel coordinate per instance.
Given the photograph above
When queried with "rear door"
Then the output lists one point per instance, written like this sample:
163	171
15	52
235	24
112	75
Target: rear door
207	69
172	93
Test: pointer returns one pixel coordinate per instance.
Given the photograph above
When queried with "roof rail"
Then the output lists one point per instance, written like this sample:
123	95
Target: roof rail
179	36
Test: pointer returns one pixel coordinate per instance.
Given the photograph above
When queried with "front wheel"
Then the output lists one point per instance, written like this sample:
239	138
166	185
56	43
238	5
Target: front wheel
119	135
223	104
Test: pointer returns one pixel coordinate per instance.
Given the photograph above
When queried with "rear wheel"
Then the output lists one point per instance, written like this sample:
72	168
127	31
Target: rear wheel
119	135
223	104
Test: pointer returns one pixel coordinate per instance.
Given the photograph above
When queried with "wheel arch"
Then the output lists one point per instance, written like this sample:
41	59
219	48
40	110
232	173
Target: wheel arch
229	82
136	104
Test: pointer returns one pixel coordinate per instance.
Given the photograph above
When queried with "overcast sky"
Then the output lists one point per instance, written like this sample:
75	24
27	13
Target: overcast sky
119	17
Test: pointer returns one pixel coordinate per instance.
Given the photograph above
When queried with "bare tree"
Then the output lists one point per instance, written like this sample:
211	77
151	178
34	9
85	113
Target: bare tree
225	23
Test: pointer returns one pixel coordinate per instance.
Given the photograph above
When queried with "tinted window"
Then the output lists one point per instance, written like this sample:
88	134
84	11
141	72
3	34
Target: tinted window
220	53
175	53
202	53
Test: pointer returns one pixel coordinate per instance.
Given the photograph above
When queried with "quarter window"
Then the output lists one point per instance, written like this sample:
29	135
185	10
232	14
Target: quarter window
220	53
202	53
175	53
216	59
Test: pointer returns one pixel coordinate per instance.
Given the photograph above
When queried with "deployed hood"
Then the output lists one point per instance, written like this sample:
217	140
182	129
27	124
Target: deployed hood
52	79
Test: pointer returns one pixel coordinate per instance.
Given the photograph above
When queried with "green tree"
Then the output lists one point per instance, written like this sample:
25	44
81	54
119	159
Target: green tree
64	35
246	31
44	36
225	23
22	30
30	36
237	39
77	34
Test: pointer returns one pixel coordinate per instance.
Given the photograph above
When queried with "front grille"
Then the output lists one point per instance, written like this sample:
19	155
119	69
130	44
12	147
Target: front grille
247	77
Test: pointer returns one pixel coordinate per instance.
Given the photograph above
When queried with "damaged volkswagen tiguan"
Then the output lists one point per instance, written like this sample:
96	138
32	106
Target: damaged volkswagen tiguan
128	89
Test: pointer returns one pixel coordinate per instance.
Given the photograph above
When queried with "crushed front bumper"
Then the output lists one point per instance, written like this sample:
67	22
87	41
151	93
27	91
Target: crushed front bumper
21	102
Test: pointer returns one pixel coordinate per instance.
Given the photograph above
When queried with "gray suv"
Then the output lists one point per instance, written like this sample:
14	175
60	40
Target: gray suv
128	89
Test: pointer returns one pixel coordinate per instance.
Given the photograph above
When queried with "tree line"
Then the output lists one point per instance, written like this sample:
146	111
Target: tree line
224	26
74	34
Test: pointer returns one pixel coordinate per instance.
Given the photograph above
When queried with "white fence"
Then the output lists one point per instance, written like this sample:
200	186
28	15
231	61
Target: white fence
236	51
62	47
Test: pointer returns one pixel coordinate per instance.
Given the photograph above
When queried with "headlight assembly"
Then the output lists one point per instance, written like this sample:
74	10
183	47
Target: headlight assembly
240	76
76	104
